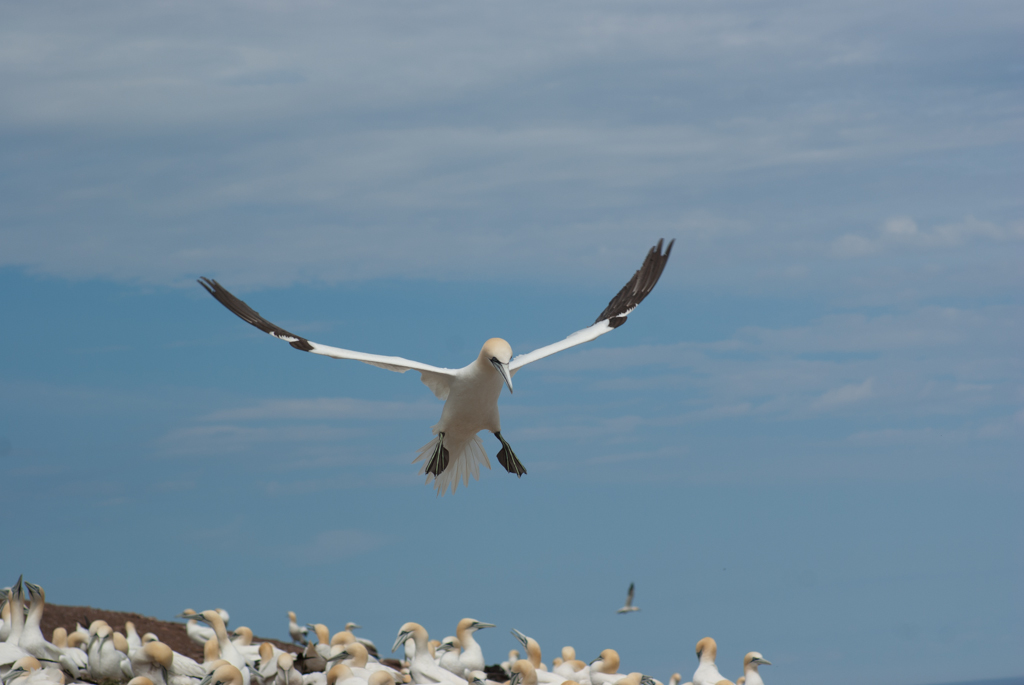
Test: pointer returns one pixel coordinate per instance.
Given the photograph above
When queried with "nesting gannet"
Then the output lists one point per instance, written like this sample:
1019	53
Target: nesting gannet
472	657
297	632
108	662
741	680
286	673
33	642
211	653
225	674
227	650
350	626
163	666
340	674
357	657
448	652
533	655
197	632
629	601
513	656
523	673
10	652
422	667
707	672
604	669
750	663
470	393
675	679
574	669
241	637
636	679
28	671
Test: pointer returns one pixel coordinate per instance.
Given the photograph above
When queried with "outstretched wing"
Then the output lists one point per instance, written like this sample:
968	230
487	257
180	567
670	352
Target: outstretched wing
629	595
614	315
435	378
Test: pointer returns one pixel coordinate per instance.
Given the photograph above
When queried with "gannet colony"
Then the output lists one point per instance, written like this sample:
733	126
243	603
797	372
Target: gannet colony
99	654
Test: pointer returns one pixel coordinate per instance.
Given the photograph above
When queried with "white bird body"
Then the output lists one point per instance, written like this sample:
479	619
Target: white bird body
574	670
533	655
472	656
449	655
750	663
707	672
107	662
422	667
10	652
470	393
163	666
33	642
196	631
28	671
228	652
604	669
297	632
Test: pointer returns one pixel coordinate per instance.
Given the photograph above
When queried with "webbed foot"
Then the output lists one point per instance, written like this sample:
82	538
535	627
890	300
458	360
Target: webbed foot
507	458
439	459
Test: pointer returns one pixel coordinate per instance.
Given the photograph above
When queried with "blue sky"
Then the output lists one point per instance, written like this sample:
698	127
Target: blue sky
806	442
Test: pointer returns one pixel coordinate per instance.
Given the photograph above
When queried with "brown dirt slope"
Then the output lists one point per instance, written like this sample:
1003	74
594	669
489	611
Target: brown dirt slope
170	633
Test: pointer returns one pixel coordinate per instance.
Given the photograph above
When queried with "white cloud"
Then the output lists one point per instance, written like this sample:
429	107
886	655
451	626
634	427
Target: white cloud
903	232
847	394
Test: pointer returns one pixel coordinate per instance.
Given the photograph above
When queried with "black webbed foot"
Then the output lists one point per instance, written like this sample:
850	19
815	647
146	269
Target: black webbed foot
507	458
439	459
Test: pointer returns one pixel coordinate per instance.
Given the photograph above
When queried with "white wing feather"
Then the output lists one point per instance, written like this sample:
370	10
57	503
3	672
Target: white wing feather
614	315
434	377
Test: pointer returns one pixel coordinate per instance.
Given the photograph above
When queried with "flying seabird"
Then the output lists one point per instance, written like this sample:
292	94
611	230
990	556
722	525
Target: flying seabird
629	602
470	393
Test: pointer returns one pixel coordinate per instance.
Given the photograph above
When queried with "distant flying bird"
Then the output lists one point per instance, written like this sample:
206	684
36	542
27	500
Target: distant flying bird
470	393
629	602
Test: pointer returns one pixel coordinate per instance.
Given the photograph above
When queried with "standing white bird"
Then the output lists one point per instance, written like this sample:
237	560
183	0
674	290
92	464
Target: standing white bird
707	672
297	632
629	601
750	663
422	666
197	632
470	393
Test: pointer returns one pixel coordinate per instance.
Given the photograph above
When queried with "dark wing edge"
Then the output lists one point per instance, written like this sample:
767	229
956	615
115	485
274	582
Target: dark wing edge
251	316
639	287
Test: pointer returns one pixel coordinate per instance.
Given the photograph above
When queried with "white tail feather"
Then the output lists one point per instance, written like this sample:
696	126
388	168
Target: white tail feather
464	458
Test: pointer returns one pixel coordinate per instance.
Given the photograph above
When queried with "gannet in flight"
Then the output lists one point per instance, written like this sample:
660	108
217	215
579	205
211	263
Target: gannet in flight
470	393
629	601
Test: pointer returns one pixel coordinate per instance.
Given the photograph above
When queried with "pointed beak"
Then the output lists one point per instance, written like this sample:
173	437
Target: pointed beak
764	661
516	679
478	625
520	637
505	373
402	637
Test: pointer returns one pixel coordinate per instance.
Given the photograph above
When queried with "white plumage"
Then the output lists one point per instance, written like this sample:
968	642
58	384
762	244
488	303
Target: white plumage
470	393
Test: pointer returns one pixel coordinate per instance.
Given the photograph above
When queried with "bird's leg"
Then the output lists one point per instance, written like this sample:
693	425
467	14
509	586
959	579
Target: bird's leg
508	459
439	459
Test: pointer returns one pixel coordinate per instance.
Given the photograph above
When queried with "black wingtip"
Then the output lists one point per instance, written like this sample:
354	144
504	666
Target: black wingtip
638	287
250	315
